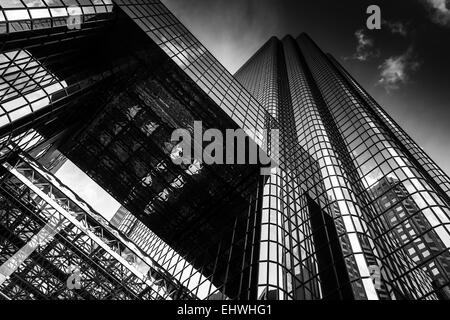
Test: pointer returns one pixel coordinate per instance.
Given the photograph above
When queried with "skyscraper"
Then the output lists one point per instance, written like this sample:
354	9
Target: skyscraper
354	209
358	148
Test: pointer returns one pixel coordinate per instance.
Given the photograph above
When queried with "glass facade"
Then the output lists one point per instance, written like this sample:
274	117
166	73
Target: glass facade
376	153
387	199
173	264
352	195
24	15
312	270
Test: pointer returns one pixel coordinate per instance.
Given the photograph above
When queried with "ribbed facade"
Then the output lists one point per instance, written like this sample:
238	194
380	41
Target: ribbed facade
357	148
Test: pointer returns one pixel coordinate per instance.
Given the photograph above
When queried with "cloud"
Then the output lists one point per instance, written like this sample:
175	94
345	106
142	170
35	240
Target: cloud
395	71
396	27
440	11
365	47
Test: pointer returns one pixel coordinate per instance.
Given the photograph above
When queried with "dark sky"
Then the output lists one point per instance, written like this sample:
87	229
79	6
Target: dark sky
405	66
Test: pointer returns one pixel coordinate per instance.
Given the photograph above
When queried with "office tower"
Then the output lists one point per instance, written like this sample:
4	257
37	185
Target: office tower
358	148
314	228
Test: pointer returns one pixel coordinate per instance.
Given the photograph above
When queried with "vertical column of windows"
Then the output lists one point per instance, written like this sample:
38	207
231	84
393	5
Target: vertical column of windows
313	136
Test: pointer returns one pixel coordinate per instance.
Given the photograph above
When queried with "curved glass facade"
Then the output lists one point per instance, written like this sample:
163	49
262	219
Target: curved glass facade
387	199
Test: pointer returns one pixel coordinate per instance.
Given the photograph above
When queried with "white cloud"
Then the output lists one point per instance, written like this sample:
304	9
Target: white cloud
395	71
396	27
365	47
440	11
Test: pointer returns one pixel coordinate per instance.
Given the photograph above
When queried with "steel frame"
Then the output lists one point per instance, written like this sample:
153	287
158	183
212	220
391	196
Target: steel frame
45	230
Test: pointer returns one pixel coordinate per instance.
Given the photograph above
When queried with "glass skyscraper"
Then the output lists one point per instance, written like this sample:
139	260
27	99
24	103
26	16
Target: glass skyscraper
354	210
358	149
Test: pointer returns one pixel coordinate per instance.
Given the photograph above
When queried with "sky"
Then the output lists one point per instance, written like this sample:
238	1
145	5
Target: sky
405	66
87	189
